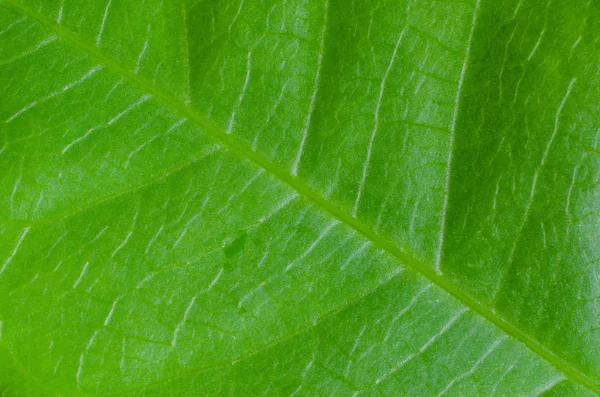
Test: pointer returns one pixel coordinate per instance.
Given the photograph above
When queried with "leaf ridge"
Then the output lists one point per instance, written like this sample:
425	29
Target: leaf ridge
244	152
463	72
532	191
316	87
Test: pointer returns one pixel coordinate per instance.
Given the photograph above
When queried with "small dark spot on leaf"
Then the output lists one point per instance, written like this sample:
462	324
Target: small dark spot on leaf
235	246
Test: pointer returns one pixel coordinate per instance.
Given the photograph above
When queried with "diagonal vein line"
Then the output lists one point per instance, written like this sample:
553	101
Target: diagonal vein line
459	89
390	278
532	195
186	65
242	150
155	179
316	87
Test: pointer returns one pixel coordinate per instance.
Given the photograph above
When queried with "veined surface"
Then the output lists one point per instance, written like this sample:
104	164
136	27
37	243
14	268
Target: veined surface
299	198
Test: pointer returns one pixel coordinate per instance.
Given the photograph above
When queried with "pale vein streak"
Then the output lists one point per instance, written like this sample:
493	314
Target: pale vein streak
60	12
146	143
56	93
550	385
324	233
313	98
12	255
138	63
237	14
111	312
38	47
77	140
461	81
99	37
425	346
532	191
182	323
9	27
470	372
376	121
186	64
143	99
121	245
82	274
242	93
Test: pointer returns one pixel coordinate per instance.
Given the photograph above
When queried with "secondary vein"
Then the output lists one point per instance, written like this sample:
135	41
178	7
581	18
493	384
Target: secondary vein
463	73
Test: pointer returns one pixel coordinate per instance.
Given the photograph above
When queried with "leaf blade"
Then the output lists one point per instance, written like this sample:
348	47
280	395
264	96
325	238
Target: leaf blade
257	158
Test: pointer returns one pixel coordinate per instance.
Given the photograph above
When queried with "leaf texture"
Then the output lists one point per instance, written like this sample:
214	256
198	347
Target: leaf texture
299	198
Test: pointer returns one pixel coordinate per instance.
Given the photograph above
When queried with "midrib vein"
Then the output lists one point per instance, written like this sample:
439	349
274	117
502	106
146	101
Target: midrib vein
243	151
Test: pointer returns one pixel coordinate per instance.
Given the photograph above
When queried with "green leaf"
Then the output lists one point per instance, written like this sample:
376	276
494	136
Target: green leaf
299	198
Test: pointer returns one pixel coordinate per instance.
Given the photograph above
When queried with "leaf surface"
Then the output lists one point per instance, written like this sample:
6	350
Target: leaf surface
299	198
